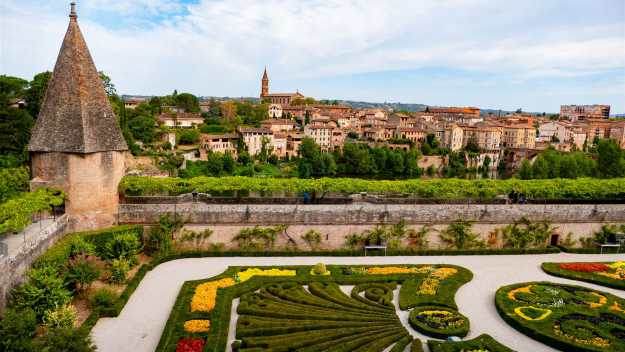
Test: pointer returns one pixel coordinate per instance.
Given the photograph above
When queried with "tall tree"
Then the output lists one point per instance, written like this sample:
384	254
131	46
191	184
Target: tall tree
109	87
611	161
36	92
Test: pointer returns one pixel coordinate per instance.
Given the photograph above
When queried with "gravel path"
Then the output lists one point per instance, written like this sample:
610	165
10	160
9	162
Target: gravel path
140	324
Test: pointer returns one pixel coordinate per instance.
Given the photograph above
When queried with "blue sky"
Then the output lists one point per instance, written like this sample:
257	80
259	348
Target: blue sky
531	54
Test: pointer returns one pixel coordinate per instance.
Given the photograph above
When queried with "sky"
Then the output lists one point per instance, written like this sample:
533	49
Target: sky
530	54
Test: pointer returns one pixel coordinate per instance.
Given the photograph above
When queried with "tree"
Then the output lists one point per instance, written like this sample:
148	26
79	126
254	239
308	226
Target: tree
11	88
15	127
188	102
109	87
45	290
525	171
189	136
142	128
36	92
472	146
611	159
66	340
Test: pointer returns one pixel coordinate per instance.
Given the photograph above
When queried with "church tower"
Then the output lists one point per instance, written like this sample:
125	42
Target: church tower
264	89
76	144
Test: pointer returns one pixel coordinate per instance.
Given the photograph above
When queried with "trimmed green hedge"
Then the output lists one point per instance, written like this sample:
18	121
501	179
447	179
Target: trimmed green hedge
565	317
555	270
481	343
582	188
283	307
445	294
59	253
438	327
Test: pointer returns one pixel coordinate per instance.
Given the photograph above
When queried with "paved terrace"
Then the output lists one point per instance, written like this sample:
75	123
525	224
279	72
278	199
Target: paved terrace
138	328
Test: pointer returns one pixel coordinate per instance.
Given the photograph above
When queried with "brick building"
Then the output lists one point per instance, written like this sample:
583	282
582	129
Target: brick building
583	112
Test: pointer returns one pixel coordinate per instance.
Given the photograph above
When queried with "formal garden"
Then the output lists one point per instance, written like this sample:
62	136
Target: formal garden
321	308
566	317
609	274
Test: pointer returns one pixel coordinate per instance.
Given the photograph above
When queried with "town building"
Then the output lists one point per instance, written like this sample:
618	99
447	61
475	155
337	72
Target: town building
584	112
321	134
274	111
180	120
132	103
278	125
254	138
486	137
519	136
218	143
466	115
76	144
276	98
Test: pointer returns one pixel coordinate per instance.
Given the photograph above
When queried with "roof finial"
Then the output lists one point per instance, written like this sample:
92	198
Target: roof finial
72	13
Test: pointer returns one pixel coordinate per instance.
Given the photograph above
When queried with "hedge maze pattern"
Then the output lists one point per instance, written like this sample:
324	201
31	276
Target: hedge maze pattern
569	318
291	308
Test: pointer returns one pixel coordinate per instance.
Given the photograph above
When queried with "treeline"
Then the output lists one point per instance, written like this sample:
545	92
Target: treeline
606	160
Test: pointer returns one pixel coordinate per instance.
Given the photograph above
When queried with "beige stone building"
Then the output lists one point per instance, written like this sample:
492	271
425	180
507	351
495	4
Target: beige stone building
278	125
518	137
584	112
486	137
450	136
321	134
76	144
218	143
414	134
274	111
180	120
253	138
276	98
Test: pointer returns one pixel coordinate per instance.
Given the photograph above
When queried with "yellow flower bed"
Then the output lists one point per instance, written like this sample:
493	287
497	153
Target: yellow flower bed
519	312
390	270
617	265
602	300
524	289
596	341
429	286
251	272
617	308
432	312
205	294
619	274
196	326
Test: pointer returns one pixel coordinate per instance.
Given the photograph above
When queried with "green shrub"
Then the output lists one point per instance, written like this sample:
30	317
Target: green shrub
480	343
79	246
13	181
416	346
523	233
319	269
61	317
439	322
160	238
66	340
459	235
256	238
17	329
312	238
82	271
45	290
58	255
123	246
16	213
103	298
119	270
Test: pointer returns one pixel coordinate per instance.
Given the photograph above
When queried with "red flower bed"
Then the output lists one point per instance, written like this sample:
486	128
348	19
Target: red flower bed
584	267
190	345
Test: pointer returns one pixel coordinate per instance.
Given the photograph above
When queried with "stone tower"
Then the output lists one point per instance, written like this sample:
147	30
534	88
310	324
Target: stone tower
76	144
264	89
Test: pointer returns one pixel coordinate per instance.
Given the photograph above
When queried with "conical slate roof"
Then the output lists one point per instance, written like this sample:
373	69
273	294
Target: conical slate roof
76	115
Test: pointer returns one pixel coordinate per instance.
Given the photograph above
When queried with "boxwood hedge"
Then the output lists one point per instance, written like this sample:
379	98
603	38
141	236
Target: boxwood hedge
566	317
593	277
481	343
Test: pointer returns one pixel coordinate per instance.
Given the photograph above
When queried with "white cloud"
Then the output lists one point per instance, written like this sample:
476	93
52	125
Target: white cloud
219	47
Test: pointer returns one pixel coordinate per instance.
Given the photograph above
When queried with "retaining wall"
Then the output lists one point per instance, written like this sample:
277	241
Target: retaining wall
14	266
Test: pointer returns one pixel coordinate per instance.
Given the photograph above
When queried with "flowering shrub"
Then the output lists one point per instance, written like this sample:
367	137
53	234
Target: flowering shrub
584	267
196	326
205	294
251	272
190	345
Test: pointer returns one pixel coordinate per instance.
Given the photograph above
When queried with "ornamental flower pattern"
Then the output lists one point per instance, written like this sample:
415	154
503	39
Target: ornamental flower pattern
197	325
205	294
251	272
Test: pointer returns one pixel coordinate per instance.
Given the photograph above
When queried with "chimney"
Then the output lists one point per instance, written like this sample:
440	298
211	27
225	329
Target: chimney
72	13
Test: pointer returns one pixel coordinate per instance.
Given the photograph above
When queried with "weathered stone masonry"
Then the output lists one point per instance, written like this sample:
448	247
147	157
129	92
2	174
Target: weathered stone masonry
369	214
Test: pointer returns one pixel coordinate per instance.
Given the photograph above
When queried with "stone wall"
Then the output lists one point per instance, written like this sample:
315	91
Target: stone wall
15	266
368	214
